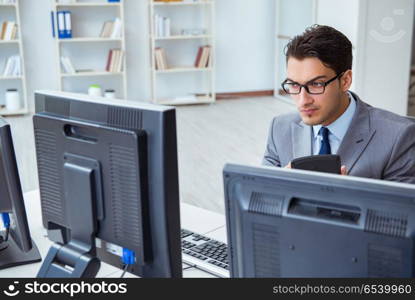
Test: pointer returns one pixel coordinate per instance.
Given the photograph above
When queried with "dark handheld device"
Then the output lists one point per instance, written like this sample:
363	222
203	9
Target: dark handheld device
328	163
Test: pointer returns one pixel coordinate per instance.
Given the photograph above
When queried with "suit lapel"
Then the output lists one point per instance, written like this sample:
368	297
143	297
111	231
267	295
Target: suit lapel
357	136
301	139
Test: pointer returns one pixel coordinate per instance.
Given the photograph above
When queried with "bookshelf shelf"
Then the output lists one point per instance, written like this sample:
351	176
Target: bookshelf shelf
89	4
17	41
92	53
91	74
11	77
184	69
15	82
186	53
5	112
89	40
182	37
183	3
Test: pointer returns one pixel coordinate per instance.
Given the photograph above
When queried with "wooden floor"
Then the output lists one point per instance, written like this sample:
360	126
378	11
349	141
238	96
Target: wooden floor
208	137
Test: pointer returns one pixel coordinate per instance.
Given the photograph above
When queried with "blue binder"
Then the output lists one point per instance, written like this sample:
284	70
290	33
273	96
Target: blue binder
68	24
60	18
52	16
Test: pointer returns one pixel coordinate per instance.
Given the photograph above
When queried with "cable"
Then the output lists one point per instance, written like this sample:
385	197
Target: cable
124	271
6	237
188	267
128	259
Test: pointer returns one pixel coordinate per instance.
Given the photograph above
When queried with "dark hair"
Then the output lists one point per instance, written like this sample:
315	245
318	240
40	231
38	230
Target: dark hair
327	44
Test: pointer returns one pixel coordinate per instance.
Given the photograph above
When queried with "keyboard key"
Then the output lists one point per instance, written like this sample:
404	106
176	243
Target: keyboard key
210	251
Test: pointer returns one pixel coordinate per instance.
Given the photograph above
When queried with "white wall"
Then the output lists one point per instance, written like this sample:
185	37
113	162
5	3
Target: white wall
39	50
344	16
245	45
385	62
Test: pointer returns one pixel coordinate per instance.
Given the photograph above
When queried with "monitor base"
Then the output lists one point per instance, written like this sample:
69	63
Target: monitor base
12	255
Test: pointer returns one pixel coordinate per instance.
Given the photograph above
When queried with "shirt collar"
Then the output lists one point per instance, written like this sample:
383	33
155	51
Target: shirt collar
339	127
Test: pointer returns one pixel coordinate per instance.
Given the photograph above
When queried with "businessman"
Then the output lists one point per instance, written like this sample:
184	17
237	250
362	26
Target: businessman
371	142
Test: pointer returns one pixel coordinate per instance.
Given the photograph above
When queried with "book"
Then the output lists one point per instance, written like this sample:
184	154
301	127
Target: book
157	59
13	66
117	29
8	31
198	56
3	30
115	57
202	57
120	62
67	65
160	57
166	25
60	16
107	68
115	60
68	24
162	26
205	57
206	65
107	28
85	70
163	58
14	33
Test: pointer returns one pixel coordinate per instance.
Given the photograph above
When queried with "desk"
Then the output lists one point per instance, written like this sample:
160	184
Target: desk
193	218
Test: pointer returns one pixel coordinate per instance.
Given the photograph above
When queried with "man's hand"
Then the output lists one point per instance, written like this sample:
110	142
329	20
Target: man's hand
288	166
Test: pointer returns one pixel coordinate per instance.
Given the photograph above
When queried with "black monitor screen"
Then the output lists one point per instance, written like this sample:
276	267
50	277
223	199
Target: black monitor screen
295	223
17	247
120	156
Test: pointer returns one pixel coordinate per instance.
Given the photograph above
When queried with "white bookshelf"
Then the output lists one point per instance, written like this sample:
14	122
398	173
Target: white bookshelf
11	77
87	47
92	74
10	42
89	39
182	3
181	83
292	17
8	48
184	69
183	37
88	4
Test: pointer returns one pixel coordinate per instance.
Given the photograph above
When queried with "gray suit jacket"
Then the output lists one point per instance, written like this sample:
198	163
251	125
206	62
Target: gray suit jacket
378	144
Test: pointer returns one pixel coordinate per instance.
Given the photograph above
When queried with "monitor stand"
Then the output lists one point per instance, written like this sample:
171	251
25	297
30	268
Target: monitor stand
77	258
11	255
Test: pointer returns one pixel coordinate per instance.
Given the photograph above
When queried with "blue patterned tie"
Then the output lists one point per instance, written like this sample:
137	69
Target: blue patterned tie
325	145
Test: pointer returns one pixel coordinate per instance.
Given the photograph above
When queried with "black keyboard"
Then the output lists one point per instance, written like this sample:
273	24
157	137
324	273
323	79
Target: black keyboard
205	249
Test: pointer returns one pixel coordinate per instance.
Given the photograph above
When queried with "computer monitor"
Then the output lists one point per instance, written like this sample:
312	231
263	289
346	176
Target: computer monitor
108	181
295	223
16	246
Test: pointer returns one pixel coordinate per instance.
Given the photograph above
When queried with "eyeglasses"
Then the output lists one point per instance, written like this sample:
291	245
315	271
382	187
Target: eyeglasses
313	87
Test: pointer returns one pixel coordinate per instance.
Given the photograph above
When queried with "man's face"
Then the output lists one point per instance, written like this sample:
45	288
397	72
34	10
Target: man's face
323	108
